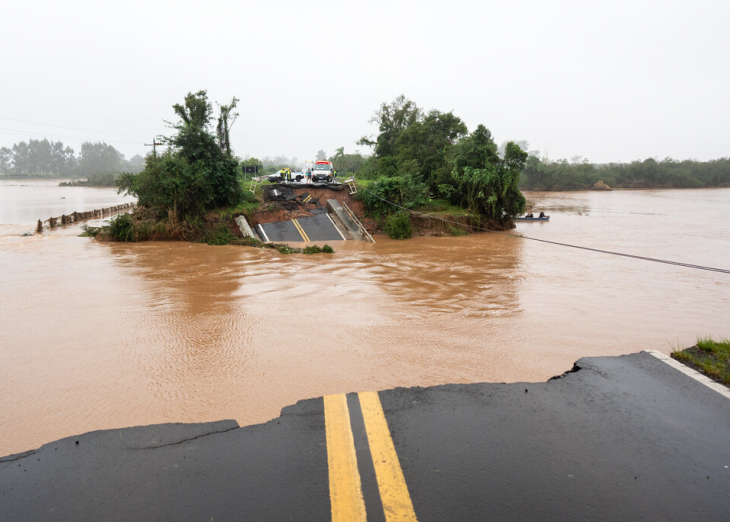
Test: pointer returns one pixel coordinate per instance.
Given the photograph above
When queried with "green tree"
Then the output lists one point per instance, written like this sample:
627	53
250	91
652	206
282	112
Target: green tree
493	189
98	158
194	174
422	148
392	119
225	121
6	160
338	160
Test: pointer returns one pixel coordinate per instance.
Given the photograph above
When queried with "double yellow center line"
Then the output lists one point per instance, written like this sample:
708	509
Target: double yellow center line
345	488
301	231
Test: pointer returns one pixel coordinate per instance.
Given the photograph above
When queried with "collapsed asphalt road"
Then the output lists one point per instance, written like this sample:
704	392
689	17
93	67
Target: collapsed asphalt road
622	438
312	228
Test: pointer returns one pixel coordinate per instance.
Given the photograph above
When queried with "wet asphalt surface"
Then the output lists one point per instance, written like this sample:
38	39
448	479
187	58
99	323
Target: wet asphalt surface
622	438
311	228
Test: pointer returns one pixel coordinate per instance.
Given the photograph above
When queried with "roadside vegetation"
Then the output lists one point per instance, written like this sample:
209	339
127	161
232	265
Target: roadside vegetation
420	156
194	190
709	357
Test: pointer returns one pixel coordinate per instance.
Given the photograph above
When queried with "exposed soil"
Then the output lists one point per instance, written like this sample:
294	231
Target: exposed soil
272	211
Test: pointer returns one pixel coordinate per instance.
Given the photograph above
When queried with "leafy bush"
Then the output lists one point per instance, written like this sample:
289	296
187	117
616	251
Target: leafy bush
398	226
121	228
328	250
405	191
313	249
220	236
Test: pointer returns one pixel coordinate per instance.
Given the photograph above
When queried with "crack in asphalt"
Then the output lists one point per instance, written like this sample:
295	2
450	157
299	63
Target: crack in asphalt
21	456
186	440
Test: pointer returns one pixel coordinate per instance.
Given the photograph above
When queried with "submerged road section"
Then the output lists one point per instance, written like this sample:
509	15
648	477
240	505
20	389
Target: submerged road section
617	438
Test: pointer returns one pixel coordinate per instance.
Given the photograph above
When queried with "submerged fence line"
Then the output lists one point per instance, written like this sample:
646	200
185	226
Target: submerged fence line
65	219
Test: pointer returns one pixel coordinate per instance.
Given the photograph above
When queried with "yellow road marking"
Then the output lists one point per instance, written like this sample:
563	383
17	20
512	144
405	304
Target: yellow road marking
346	497
391	483
301	230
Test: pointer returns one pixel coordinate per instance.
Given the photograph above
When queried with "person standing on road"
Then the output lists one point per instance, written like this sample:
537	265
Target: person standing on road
334	174
309	175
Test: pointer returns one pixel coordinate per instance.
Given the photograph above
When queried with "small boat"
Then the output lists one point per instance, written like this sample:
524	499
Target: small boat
546	218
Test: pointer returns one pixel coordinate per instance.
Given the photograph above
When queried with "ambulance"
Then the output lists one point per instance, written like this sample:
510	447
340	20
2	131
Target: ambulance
323	171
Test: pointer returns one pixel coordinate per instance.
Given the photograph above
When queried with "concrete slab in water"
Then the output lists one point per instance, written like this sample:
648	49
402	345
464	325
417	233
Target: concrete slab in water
312	228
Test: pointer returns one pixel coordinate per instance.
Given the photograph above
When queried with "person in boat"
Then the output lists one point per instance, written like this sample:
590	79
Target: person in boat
542	214
529	216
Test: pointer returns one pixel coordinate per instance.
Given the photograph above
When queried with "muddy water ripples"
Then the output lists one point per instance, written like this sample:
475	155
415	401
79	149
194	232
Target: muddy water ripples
99	336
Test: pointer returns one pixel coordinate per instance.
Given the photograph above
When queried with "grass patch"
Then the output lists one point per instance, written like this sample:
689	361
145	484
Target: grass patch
709	357
457	231
251	202
282	249
443	206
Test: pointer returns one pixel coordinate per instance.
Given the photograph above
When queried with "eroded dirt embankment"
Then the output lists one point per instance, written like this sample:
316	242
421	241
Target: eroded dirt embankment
272	210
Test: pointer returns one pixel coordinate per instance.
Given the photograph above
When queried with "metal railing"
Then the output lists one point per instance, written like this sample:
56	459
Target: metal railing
255	183
360	226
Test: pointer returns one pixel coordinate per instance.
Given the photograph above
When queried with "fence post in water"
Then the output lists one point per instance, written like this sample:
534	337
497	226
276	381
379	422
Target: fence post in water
51	222
39	227
63	219
76	216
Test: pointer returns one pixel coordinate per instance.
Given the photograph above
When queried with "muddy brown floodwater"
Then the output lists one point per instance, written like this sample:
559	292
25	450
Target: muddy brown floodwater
98	336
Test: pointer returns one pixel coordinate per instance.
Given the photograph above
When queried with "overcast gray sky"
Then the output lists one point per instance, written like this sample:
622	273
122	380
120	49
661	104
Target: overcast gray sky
611	81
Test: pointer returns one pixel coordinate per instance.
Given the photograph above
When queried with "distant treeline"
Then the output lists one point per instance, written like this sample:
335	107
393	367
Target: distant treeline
579	174
52	159
345	163
104	179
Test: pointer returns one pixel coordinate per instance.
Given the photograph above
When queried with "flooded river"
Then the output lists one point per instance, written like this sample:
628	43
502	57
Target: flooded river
97	336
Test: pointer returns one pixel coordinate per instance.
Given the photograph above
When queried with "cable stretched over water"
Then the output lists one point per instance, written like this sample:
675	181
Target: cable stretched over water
621	254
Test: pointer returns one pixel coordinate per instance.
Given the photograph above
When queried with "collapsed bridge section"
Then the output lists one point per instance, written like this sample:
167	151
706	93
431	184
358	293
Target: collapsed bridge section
313	228
305	214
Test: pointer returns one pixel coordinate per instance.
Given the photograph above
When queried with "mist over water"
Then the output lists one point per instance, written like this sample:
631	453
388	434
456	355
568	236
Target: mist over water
99	336
25	201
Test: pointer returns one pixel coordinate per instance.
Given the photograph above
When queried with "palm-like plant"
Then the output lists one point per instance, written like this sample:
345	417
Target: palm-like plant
339	157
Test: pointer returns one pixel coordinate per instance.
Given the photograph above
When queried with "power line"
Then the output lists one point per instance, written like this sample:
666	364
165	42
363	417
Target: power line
70	128
15	132
621	254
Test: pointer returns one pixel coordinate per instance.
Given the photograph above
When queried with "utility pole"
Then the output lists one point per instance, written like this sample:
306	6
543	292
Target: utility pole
154	146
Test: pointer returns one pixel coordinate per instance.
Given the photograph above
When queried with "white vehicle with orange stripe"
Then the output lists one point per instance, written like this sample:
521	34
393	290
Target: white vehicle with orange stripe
323	171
